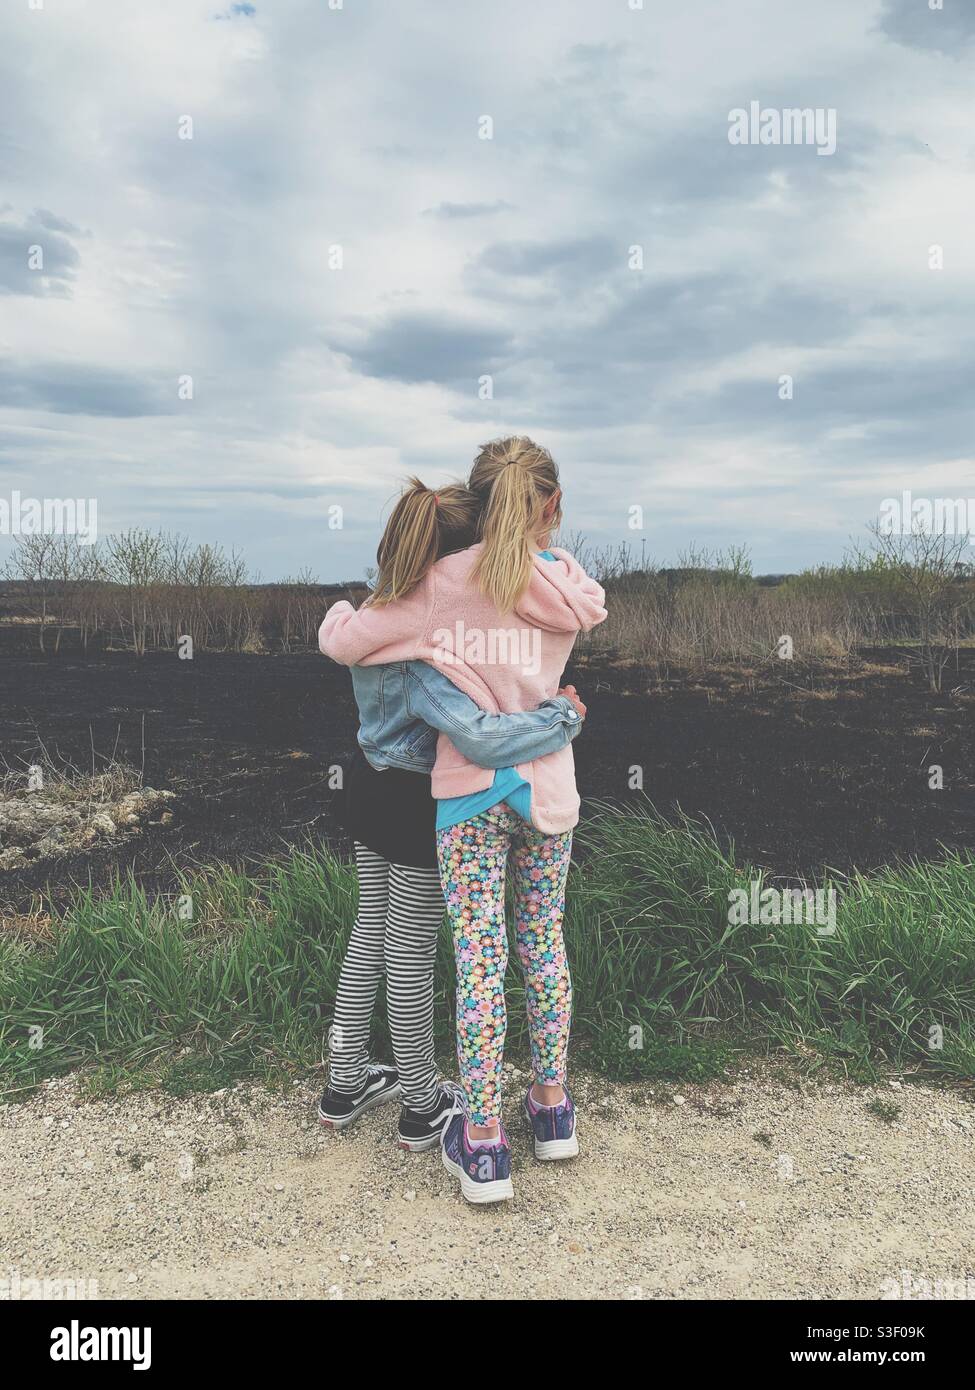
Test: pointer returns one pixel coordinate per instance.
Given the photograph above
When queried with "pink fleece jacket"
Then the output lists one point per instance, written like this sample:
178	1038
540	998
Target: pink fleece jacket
506	663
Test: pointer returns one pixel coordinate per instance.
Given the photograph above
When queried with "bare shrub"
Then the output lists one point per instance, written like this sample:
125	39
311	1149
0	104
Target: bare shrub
927	574
710	608
146	590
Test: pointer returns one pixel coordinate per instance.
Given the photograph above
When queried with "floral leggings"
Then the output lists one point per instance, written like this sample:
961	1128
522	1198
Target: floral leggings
473	860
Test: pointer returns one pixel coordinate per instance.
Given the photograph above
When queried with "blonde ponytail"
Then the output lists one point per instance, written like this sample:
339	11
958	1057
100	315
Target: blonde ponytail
422	526
516	480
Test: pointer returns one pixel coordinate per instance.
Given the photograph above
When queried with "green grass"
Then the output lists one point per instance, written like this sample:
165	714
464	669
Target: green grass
884	1110
665	986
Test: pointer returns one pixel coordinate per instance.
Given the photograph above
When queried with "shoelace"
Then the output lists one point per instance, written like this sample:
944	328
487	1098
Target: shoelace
458	1093
459	1106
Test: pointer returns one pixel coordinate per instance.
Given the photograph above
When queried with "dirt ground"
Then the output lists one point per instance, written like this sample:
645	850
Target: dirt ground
763	1186
801	767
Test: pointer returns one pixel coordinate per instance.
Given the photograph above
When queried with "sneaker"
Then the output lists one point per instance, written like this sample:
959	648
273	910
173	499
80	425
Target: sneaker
554	1127
483	1170
423	1129
336	1110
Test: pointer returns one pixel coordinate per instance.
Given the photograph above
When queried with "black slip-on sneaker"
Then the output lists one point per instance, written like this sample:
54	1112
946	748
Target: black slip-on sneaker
337	1110
423	1129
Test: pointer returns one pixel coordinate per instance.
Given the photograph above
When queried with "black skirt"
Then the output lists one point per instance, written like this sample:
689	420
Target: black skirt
393	813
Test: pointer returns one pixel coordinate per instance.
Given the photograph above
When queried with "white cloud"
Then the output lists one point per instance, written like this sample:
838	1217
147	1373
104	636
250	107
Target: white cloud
315	127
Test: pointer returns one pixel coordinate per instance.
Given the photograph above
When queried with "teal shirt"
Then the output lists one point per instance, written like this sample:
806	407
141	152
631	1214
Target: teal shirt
507	786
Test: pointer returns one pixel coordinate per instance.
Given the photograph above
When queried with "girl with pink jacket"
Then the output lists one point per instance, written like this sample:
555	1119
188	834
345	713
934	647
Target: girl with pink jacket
500	620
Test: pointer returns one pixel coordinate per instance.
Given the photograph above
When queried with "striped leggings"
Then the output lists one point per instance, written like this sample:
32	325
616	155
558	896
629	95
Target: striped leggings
395	933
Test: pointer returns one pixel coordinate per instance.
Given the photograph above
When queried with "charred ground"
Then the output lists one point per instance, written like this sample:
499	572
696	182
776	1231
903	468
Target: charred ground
804	767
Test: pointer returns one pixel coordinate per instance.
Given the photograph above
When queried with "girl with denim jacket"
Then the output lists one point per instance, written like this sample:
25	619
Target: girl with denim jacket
390	814
500	619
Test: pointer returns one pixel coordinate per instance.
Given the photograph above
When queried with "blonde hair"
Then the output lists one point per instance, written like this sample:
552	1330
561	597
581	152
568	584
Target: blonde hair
515	480
424	525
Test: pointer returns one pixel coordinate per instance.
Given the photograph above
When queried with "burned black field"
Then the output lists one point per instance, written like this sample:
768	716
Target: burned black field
803	767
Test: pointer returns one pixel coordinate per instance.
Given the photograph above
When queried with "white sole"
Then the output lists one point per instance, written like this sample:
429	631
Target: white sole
342	1122
419	1146
557	1148
479	1194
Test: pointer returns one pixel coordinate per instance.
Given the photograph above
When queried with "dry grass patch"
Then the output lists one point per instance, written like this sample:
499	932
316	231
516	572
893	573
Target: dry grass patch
46	811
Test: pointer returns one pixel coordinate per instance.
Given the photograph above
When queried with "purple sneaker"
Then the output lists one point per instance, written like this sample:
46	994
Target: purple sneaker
554	1127
484	1170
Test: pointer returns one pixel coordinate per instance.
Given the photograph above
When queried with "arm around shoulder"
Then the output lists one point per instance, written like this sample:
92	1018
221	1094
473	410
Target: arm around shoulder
353	636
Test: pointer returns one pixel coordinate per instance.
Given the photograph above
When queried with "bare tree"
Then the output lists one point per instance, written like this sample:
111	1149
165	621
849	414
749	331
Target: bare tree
33	563
135	562
929	572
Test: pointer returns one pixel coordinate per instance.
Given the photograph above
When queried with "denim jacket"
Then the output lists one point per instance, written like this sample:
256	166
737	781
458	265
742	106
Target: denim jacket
403	705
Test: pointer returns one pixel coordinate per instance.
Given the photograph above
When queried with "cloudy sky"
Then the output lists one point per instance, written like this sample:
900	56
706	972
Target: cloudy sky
360	127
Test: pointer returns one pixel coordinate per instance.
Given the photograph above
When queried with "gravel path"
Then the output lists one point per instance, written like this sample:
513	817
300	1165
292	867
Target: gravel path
754	1188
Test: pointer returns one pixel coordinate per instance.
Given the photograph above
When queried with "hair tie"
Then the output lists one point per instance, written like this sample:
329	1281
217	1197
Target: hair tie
436	500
